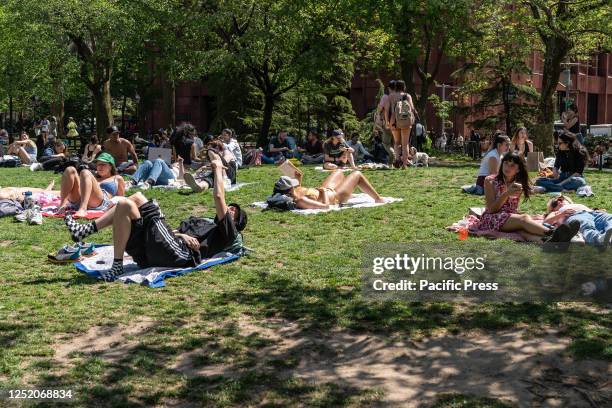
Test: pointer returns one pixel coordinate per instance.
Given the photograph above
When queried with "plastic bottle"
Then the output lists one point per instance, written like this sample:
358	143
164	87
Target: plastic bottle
28	200
462	233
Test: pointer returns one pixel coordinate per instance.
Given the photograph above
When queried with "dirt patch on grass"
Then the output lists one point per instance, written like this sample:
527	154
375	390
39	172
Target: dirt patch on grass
111	343
508	365
4	244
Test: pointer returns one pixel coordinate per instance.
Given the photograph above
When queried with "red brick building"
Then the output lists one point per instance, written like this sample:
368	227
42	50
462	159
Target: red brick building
590	87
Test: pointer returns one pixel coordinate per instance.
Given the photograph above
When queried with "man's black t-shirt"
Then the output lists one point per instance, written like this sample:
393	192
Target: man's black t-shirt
214	235
276	143
183	149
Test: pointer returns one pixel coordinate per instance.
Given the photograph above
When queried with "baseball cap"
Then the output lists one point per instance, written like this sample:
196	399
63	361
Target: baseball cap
284	183
112	129
242	216
338	133
106	158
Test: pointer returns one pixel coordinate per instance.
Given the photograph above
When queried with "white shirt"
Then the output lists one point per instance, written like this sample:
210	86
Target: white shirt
234	147
484	164
199	145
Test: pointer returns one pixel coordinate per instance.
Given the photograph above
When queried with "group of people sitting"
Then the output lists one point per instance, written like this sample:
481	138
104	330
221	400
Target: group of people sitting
335	152
566	174
503	179
140	230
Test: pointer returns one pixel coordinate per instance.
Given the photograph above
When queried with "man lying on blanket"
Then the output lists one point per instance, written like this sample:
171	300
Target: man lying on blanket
140	230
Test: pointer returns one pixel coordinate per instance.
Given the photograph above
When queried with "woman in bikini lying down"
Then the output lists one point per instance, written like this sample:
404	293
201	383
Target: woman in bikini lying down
335	189
17	193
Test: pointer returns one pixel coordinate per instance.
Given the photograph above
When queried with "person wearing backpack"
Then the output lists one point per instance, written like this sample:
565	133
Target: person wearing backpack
400	118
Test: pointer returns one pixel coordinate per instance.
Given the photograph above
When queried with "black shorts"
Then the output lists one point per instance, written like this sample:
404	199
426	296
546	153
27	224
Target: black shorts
152	242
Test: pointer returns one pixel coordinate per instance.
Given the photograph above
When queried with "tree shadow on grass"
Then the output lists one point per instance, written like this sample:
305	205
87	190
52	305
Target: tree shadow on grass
80	279
311	366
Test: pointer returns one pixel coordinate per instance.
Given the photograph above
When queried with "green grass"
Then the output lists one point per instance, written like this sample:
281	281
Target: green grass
302	268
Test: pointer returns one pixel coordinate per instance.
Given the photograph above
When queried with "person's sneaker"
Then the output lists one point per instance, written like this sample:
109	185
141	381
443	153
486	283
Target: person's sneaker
87	249
23	216
538	190
191	182
36	166
68	253
108	275
35	217
131	183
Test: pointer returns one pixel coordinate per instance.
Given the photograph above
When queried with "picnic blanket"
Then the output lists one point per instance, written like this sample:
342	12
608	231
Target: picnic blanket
52	213
361	167
153	277
472	223
361	200
180	185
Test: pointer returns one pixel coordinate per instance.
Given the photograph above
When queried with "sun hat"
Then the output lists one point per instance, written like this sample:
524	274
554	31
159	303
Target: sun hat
106	158
285	183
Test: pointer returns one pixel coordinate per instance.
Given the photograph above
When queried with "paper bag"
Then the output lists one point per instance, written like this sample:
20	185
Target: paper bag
533	161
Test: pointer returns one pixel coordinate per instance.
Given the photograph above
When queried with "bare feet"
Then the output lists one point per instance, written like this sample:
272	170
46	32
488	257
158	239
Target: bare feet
80	214
379	200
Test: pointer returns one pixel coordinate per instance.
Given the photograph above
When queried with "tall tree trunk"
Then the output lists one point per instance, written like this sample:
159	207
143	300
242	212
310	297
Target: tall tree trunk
262	140
123	105
556	50
421	104
408	53
11	123
169	100
57	110
142	116
103	109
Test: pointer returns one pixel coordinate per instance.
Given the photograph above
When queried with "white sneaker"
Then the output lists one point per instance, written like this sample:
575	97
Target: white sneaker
35	216
23	217
36	166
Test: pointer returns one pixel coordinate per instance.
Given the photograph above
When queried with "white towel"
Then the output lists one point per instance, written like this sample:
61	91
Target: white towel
357	201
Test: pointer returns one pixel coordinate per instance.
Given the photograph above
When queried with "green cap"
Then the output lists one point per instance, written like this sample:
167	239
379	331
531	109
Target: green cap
106	158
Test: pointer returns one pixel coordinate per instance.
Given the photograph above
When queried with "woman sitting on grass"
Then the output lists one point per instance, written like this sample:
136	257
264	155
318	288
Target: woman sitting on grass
521	143
569	165
85	191
24	148
337	153
336	189
489	164
502	194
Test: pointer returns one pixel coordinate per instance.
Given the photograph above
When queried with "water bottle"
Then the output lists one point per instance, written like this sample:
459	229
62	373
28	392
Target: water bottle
28	200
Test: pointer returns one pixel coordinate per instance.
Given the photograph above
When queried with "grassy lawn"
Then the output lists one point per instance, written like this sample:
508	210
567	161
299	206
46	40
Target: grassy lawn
304	269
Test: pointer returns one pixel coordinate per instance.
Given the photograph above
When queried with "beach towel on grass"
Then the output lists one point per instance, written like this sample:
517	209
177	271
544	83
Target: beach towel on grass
361	167
181	186
357	201
153	277
52	212
472	223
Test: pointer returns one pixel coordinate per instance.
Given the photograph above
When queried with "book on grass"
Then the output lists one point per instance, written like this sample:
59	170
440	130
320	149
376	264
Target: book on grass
288	169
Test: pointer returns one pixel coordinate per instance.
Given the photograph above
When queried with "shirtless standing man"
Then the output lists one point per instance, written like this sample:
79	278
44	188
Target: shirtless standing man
119	148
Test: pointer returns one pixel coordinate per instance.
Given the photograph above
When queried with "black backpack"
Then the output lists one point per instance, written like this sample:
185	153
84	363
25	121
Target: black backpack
280	202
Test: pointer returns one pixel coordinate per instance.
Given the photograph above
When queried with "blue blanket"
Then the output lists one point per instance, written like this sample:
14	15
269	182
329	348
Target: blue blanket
153	277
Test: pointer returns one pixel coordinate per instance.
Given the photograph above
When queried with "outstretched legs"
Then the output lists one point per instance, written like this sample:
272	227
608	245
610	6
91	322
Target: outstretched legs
352	181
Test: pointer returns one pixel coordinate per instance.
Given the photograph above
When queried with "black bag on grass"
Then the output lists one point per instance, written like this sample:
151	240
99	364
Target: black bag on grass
280	202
